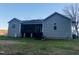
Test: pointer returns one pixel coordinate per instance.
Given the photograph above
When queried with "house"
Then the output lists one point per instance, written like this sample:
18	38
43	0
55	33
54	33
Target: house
57	26
31	28
54	26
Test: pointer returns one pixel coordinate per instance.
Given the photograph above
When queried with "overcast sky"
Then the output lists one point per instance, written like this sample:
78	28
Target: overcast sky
27	11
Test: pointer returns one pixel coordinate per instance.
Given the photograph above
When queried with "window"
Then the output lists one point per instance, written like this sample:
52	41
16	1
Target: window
55	27
13	25
54	23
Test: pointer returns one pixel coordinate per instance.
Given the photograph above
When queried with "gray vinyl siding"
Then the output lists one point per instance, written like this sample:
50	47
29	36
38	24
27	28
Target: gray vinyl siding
63	27
14	32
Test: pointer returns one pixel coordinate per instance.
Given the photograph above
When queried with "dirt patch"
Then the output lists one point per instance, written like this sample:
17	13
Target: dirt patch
8	42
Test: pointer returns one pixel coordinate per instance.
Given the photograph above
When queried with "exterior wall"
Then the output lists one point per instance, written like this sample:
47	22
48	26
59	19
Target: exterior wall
14	32
63	27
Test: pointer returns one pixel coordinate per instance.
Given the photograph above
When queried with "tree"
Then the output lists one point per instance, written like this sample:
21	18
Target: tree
72	12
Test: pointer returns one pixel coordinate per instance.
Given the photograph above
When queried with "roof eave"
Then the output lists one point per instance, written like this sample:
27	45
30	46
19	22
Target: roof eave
15	19
54	14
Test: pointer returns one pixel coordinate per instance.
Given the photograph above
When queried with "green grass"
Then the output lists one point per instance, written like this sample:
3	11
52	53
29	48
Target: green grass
31	46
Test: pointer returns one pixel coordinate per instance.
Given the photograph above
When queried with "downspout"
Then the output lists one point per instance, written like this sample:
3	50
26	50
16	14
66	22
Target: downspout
19	29
71	30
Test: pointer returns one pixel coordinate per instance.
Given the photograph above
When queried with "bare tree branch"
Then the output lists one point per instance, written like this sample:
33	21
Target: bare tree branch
73	13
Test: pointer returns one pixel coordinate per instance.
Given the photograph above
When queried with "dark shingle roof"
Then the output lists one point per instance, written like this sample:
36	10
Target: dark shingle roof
14	19
38	21
33	21
58	14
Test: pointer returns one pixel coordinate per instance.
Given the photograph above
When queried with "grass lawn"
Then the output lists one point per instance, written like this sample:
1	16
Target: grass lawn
30	46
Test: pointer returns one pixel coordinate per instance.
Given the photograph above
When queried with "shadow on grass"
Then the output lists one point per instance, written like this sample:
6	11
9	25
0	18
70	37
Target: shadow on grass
37	39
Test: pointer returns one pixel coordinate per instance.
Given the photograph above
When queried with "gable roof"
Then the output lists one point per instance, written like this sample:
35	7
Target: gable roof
14	19
58	14
37	21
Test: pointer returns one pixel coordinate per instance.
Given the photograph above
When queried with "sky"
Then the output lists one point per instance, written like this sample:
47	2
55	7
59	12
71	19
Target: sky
27	11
